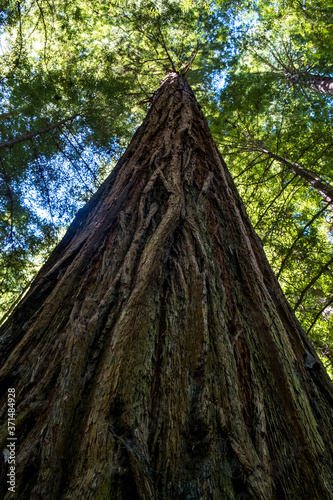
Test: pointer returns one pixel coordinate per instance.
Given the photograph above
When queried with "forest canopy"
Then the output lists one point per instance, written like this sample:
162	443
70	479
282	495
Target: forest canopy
77	79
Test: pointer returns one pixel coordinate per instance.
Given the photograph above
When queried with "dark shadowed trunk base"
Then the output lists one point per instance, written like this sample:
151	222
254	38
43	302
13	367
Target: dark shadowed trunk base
155	356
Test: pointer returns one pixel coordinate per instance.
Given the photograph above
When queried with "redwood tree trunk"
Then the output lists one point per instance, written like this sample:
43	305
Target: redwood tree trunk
155	356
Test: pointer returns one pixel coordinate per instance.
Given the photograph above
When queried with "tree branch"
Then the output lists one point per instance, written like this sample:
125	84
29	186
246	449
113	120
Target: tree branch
26	137
300	234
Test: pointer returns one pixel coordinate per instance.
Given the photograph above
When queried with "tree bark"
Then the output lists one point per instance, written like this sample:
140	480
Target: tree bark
155	356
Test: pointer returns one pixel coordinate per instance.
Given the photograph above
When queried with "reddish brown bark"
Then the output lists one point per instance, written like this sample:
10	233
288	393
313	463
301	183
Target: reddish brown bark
155	355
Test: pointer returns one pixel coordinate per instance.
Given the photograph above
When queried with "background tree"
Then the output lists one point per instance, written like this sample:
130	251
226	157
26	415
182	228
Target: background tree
76	83
77	80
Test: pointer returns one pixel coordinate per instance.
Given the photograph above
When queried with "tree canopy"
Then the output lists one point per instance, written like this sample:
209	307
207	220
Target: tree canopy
76	81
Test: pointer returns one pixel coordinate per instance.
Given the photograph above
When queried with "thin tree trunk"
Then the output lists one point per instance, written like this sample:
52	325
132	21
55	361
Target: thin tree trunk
322	187
155	356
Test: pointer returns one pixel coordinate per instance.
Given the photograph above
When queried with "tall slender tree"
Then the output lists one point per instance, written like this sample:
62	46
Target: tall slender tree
155	355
